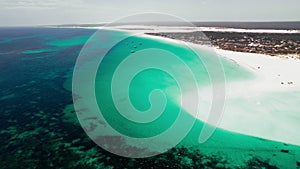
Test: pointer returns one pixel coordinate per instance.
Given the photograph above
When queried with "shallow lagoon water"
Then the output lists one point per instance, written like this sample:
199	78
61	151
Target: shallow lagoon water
39	127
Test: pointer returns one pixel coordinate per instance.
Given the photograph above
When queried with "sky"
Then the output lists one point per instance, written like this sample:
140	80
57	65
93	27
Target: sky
53	12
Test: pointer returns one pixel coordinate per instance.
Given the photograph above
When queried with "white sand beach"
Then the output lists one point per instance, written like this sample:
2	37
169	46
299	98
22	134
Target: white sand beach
267	106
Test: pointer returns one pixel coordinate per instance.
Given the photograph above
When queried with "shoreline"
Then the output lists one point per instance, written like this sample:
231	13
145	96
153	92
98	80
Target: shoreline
264	105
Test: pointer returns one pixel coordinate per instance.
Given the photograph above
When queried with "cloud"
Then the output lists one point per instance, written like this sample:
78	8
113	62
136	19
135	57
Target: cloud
37	4
45	12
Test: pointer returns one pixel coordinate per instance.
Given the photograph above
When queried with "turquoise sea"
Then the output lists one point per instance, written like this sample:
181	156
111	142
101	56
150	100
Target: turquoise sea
39	125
